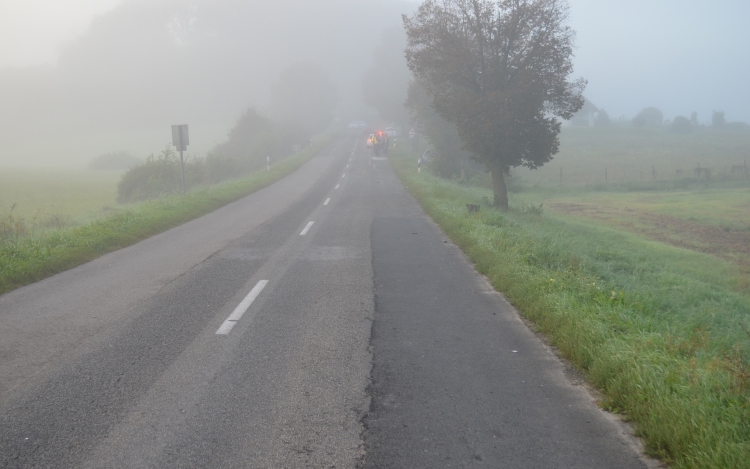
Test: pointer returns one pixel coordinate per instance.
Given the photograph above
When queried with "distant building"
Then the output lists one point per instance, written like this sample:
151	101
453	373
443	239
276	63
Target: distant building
586	116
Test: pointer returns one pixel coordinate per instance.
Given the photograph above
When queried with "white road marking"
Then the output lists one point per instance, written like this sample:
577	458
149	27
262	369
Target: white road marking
347	166
241	308
337	186
327	200
343	175
307	228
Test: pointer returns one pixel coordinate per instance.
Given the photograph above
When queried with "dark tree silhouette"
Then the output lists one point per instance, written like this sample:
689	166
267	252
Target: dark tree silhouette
649	117
499	72
718	120
602	119
450	159
681	125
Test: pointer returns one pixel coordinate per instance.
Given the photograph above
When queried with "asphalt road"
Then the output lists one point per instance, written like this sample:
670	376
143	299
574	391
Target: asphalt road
321	322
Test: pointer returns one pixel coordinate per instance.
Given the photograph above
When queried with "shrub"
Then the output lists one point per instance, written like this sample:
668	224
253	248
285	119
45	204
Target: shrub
253	138
681	125
159	175
649	117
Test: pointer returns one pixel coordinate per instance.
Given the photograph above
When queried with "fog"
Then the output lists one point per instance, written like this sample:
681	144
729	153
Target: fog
143	65
681	56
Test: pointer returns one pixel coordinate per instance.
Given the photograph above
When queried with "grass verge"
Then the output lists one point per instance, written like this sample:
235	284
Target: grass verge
24	260
663	332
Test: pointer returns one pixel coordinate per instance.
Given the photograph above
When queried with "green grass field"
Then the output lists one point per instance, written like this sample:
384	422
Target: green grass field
645	291
632	155
65	194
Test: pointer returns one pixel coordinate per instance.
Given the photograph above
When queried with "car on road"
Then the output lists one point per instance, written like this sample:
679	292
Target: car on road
371	141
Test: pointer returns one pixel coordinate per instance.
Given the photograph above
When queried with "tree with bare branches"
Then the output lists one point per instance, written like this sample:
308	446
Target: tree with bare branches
499	71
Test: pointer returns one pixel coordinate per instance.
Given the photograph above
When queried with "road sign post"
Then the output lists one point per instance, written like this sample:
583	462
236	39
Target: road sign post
181	140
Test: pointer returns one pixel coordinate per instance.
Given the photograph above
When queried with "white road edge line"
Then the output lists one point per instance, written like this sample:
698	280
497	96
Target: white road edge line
307	228
327	200
337	186
241	308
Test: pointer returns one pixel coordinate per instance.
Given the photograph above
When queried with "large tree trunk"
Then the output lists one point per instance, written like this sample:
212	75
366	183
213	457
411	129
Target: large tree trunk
499	188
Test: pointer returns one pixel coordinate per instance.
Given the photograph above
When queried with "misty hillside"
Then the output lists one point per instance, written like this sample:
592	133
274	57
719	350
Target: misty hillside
148	64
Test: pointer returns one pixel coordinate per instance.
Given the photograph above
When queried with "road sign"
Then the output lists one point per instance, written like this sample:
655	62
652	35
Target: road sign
180	137
412	133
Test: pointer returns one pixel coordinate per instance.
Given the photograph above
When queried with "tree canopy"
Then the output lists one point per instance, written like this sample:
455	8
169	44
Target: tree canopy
499	72
649	117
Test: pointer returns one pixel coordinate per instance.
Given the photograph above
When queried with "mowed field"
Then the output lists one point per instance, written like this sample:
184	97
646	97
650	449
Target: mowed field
599	157
56	196
652	188
712	221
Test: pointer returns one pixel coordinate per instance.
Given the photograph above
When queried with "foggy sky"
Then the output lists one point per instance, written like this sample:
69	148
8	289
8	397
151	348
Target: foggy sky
115	67
678	55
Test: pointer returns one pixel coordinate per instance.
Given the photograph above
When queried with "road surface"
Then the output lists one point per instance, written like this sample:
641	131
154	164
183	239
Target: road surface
321	322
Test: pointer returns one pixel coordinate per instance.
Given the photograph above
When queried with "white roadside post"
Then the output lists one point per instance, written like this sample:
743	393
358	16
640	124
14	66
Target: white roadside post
419	165
268	163
411	140
181	140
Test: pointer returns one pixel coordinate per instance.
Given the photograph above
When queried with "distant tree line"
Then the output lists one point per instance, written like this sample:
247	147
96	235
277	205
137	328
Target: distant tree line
302	103
652	117
253	138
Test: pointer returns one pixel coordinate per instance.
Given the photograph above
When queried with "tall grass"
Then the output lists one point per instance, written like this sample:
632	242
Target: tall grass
664	333
26	259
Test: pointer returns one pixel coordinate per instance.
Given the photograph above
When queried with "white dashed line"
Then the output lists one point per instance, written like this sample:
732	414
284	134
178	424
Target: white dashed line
337	186
307	228
327	200
241	308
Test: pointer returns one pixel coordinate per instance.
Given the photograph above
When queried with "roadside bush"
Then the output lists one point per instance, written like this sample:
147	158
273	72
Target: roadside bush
159	175
253	138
